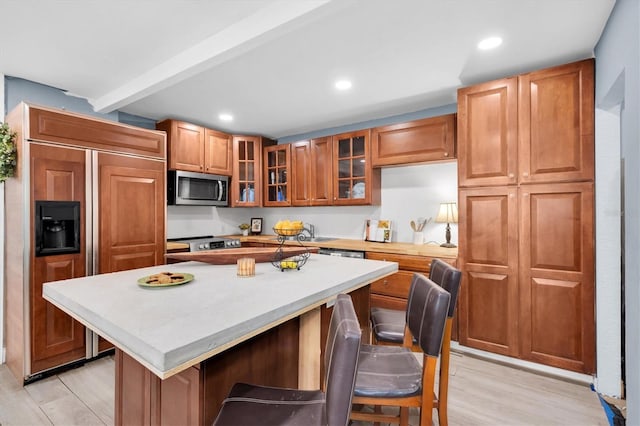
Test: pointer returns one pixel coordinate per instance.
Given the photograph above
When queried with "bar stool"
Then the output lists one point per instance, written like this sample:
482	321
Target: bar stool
388	328
391	375
249	404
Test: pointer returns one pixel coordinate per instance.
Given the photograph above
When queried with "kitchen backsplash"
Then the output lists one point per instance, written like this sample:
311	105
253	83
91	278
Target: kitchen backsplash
408	193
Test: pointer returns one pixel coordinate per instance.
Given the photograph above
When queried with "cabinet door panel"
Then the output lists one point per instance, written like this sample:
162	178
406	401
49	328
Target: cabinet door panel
429	139
57	174
89	132
355	182
556	124
557	275
277	177
488	308
217	153
186	145
181	398
487	133
56	338
131	212
301	170
489	321
246	181
320	157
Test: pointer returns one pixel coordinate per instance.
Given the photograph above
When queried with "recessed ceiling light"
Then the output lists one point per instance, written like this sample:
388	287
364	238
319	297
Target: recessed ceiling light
343	84
226	117
489	43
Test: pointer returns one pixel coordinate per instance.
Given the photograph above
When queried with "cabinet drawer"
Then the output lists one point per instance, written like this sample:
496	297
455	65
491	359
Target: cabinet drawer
388	302
396	285
405	261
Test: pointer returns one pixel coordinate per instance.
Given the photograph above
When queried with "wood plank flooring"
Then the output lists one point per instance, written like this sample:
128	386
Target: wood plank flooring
480	393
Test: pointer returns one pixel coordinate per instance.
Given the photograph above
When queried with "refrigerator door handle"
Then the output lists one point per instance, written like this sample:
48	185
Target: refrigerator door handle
95	209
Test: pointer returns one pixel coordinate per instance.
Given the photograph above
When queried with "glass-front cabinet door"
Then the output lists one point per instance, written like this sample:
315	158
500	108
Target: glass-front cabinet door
277	175
352	169
246	189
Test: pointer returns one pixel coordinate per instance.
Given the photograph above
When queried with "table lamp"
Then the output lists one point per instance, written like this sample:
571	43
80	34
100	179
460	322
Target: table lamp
448	214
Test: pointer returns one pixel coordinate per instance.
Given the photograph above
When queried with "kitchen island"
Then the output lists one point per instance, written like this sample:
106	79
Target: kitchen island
180	348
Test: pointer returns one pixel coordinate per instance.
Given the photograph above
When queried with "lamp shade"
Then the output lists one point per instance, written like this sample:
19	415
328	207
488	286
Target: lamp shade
448	213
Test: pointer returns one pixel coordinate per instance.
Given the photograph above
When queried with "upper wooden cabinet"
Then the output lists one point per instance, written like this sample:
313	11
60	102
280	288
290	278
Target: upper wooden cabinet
197	149
429	139
186	145
246	179
312	183
355	181
218	152
556	124
277	175
50	125
533	128
488	133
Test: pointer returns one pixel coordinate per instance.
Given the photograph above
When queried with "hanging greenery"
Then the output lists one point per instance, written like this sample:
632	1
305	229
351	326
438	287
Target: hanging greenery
8	152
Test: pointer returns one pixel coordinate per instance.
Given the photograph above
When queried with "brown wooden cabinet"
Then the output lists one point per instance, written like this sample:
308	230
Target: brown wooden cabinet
246	180
117	173
355	181
312	183
533	128
186	145
392	291
277	175
526	225
488	133
218	152
131	212
419	141
556	124
557	310
488	257
56	338
197	149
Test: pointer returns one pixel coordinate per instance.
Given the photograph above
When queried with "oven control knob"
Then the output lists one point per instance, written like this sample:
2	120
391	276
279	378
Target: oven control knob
202	246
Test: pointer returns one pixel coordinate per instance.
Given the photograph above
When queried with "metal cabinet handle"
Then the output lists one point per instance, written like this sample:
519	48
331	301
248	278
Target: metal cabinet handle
446	154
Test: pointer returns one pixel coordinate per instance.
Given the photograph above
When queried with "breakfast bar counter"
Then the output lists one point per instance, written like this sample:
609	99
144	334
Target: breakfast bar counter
205	334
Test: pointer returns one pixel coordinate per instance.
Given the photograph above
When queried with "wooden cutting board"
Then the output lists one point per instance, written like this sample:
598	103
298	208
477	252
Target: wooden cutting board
231	255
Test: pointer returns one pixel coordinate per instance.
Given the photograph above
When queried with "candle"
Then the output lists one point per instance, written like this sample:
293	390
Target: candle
246	267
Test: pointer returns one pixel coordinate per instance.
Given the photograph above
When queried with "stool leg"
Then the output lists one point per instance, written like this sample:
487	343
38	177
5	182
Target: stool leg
443	385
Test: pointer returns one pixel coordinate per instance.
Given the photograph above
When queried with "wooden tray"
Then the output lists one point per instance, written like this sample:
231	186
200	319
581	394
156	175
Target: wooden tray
231	255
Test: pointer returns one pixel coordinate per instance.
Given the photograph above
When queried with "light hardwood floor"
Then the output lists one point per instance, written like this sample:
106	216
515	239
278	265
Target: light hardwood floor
480	393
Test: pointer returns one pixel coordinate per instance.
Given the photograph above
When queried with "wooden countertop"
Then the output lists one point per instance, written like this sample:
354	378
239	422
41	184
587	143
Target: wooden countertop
430	250
177	246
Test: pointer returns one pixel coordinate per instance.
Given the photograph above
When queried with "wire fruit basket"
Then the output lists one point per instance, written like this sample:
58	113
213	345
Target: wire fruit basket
280	260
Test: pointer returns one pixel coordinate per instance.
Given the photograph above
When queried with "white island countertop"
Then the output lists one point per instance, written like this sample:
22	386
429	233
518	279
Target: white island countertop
169	329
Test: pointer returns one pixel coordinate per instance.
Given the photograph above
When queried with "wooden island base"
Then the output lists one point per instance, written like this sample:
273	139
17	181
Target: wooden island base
194	396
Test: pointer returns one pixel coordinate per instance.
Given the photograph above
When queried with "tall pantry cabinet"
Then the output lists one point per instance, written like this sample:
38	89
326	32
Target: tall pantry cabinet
526	230
116	175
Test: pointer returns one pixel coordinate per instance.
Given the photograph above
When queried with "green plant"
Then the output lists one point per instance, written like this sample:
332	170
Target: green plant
8	152
244	226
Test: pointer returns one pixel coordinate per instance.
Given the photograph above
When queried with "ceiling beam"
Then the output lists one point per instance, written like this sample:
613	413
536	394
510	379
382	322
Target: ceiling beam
267	23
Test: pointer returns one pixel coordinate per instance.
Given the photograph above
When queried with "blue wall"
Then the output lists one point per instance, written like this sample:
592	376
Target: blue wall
18	90
618	82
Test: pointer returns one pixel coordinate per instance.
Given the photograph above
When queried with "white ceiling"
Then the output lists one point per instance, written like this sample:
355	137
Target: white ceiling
272	63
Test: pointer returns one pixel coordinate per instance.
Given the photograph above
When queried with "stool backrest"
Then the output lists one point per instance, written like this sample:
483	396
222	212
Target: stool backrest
447	277
341	360
427	309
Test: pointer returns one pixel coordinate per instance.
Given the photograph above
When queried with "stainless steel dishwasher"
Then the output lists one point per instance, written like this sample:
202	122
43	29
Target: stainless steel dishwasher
341	253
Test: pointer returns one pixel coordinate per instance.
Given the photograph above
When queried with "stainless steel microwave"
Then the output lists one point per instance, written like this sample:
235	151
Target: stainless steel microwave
197	189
